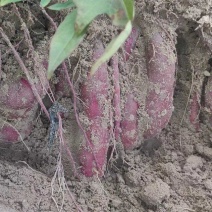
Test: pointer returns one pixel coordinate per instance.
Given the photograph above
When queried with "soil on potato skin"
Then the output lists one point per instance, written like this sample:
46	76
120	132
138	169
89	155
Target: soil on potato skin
172	172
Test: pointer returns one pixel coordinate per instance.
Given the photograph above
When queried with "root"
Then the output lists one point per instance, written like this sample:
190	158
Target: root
59	178
115	123
28	38
189	95
186	107
29	167
26	32
74	72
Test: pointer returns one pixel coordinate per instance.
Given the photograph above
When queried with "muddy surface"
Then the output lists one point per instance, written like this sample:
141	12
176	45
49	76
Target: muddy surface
172	172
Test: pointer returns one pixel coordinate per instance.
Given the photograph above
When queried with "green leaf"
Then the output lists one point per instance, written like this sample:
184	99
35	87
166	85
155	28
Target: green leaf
119	11
72	30
113	47
5	2
123	12
87	10
119	16
61	6
44	3
129	8
63	42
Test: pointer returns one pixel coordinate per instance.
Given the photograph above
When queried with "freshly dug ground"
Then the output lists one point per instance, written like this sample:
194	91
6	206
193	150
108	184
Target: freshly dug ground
172	172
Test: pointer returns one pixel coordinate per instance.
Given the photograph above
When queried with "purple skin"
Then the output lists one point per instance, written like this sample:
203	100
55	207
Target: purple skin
94	92
129	44
160	59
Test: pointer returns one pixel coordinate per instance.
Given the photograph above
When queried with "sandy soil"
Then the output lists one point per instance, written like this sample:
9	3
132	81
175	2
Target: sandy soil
172	172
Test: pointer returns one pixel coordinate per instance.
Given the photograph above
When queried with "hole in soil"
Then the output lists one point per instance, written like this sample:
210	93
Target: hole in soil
210	63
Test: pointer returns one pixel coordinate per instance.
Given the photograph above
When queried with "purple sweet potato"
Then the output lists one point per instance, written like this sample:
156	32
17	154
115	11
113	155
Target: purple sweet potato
130	42
160	60
18	106
129	123
116	97
94	93
17	97
16	131
8	134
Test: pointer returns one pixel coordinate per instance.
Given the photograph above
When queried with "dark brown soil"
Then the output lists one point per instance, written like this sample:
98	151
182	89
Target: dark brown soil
172	172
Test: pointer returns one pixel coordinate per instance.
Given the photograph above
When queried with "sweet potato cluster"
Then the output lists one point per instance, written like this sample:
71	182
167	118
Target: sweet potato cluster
18	104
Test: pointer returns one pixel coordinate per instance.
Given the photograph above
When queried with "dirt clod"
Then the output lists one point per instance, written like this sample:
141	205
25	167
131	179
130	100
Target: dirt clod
205	151
154	193
193	162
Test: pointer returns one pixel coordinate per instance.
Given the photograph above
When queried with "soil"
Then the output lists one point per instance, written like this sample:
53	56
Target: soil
172	172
